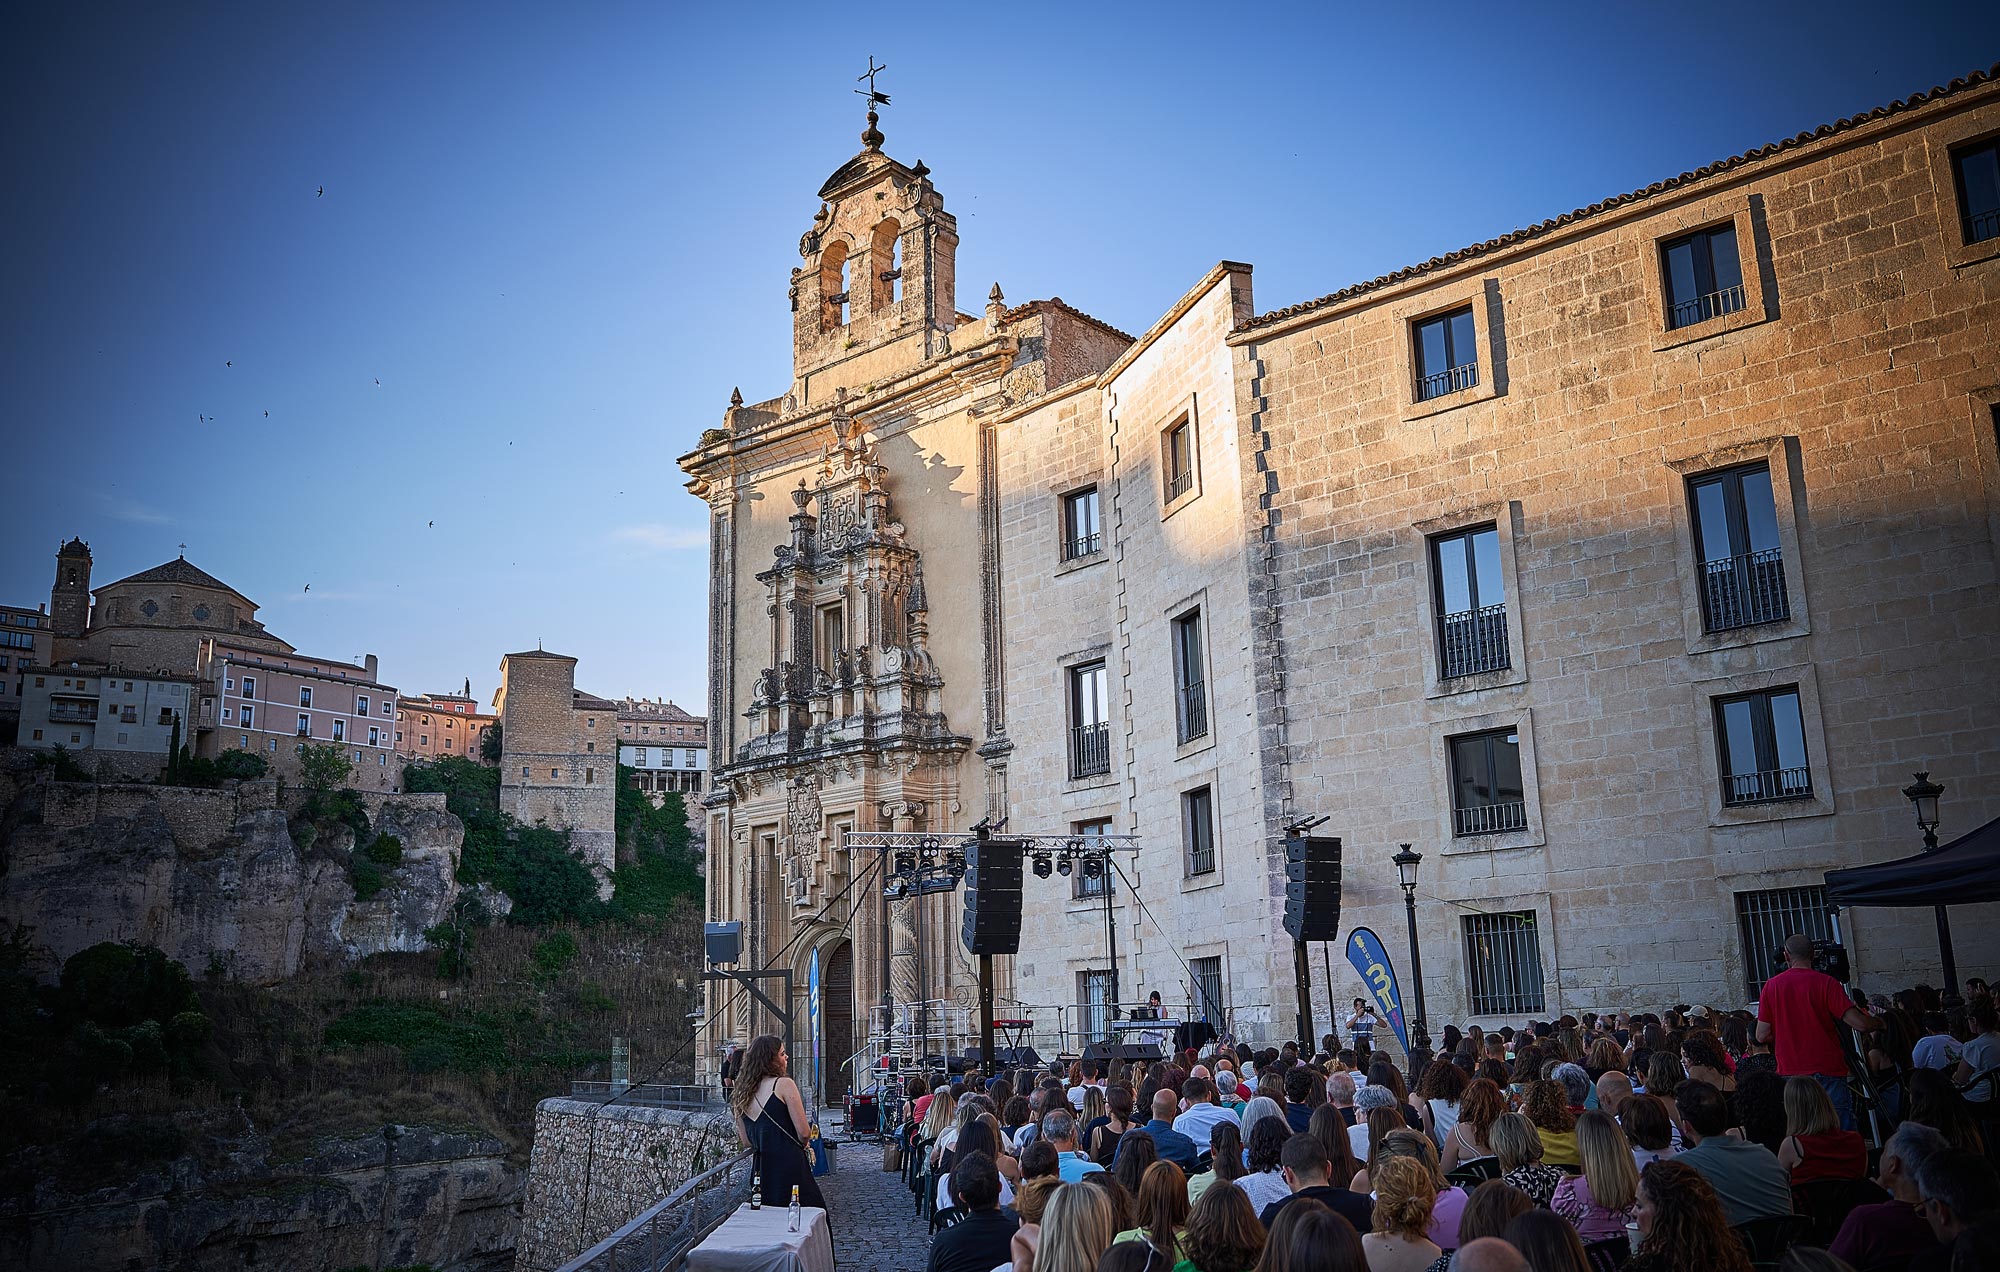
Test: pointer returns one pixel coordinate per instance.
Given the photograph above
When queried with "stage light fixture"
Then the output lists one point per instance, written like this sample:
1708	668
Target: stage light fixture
1064	866
1042	866
1093	867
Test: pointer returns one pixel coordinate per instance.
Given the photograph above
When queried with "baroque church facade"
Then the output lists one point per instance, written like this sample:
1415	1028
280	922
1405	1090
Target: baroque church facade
1625	565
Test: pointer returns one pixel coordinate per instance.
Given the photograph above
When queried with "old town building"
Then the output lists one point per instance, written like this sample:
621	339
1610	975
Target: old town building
25	643
1626	566
664	746
559	755
439	724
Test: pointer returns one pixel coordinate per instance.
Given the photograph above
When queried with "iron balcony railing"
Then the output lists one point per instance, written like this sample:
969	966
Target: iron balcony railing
1081	545
1449	380
1767	787
659	1239
1983	225
58	715
1089	750
1702	308
1490	819
1194	710
1180	483
1473	641
1743	591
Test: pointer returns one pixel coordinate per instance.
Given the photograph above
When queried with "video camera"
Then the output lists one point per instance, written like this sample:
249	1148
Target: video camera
1827	956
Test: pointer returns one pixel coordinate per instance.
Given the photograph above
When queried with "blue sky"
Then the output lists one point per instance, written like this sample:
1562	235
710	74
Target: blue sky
559	235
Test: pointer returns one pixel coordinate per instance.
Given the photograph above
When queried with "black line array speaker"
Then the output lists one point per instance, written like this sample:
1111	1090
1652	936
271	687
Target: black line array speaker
992	897
1312	887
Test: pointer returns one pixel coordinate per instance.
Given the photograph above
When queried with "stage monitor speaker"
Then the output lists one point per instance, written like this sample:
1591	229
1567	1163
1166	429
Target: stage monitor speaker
1019	1058
1312	887
1098	1051
1144	1052
722	943
992	922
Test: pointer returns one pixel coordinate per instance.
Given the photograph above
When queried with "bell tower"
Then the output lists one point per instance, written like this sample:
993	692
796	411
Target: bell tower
69	599
874	294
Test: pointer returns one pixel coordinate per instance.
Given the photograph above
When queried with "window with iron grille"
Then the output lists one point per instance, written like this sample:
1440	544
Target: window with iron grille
1487	795
1190	687
1089	730
1471	603
1735	522
1093	999
1177	456
1503	963
1208	1002
1447	354
1703	276
1086	884
1977	169
1198	829
1766	918
1082	532
1760	740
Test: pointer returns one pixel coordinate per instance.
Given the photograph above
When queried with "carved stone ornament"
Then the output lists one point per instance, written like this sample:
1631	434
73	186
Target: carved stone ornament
803	818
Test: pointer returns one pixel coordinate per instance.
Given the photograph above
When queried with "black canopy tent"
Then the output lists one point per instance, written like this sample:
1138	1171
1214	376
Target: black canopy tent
1964	871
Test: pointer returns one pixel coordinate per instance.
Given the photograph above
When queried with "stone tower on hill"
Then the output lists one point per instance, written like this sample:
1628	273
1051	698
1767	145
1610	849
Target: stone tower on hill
559	756
69	598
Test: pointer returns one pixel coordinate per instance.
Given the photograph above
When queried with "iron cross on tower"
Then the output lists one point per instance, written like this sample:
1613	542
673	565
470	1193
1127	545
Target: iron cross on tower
874	98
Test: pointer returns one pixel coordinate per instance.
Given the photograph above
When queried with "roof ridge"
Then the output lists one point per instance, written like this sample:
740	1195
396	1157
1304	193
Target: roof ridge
1027	306
1848	123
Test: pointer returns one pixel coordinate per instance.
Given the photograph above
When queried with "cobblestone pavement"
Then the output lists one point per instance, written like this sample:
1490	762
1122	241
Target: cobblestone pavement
874	1218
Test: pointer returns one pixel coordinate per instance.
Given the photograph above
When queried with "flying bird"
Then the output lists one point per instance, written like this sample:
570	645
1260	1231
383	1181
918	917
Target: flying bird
228	364
322	192
267	415
430	525
378	381
309	587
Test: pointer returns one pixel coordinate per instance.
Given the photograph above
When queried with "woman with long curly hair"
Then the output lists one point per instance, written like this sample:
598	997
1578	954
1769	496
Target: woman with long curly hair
1404	1198
1546	1104
1480	1103
1682	1225
1223	1234
770	1117
1438	1094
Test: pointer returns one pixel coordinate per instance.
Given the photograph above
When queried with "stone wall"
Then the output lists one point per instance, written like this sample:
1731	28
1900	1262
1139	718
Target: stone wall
595	1166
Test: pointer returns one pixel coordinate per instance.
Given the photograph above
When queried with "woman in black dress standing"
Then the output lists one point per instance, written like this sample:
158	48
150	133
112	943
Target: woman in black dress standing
771	1118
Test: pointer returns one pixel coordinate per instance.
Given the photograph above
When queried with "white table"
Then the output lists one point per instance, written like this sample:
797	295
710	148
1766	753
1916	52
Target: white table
756	1241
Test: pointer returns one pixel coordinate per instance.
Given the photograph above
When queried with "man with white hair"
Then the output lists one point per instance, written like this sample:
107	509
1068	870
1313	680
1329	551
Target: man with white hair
1367	1099
1340	1094
1889	1234
1225	1088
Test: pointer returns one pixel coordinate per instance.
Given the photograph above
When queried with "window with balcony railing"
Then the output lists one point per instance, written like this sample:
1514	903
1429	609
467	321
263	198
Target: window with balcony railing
1198	830
1703	276
1977	169
1487	795
1089	727
1761	743
1083	534
1088	884
1471	601
1190	683
1177	458
1735	524
1447	350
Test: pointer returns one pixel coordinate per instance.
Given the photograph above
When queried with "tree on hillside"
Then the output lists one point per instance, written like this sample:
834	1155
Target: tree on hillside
323	767
489	744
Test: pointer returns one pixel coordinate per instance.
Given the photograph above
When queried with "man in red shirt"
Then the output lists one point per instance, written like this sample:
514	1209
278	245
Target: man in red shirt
1800	1014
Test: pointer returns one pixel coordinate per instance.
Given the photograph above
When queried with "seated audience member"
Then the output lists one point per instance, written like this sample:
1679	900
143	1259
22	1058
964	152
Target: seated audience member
1478	1105
982	1136
1885	1236
1447	1208
1077	1227
1614	1091
1546	1104
1815	1147
1310	1238
1981	1055
1703	1058
1438	1096
1487	1254
1366	1101
1599	1201
1226	1090
1225	1161
1759	1108
1647	1127
1168	1143
1937	1049
1202	1114
1264	1181
1492	1206
1222	1234
1956	1190
1404	1198
1519	1148
1340	1094
1577	1086
1161	1211
1040	1160
1383	1073
1307	1172
979	1242
1300	1084
1331	1133
1746	1177
1547	1243
1122	1204
1936	1103
1034	1199
1682	1227
1102	1142
1122	1256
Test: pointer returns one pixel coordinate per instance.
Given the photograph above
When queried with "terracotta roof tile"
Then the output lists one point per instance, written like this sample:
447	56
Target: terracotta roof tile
1959	85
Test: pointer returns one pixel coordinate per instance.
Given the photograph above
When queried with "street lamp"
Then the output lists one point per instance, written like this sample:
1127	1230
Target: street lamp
1923	796
1406	873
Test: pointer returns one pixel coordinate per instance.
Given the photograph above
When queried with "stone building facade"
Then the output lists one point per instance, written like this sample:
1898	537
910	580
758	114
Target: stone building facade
1626	566
26	641
665	747
559	755
434	725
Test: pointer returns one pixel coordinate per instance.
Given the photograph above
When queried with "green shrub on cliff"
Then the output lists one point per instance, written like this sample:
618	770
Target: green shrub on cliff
533	865
429	1041
201	771
116	984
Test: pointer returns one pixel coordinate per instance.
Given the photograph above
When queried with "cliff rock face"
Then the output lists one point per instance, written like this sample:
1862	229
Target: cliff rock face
407	1195
214	875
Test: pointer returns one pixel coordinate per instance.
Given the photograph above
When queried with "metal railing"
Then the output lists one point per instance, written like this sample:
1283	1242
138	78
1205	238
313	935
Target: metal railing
1489	819
71	717
1179	484
1981	226
1767	787
1766	918
1081	545
650	1094
1503	961
1089	750
1193	710
659	1237
1702	308
1472	642
1743	591
1450	380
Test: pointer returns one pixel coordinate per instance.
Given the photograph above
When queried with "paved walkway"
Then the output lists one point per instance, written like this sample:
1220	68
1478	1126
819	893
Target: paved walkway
875	1222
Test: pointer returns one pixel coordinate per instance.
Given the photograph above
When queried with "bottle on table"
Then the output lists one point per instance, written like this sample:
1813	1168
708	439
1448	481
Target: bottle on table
794	1226
756	1190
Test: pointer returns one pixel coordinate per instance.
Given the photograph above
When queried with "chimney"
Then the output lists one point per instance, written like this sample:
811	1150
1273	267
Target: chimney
370	664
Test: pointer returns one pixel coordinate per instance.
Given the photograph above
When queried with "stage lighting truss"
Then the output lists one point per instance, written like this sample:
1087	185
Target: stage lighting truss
923	862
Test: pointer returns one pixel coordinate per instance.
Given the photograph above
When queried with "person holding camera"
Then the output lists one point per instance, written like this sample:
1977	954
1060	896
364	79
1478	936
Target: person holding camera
1800	1013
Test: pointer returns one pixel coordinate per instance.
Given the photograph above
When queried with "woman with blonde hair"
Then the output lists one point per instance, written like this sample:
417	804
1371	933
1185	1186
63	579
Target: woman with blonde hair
1519	1147
1598	1203
1076	1227
1223	1234
1815	1147
1404	1199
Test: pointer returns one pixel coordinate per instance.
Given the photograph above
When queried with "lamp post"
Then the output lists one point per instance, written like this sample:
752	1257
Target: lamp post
1923	796
1406	873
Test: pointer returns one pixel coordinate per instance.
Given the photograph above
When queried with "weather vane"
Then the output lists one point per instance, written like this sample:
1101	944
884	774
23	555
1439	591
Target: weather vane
874	98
